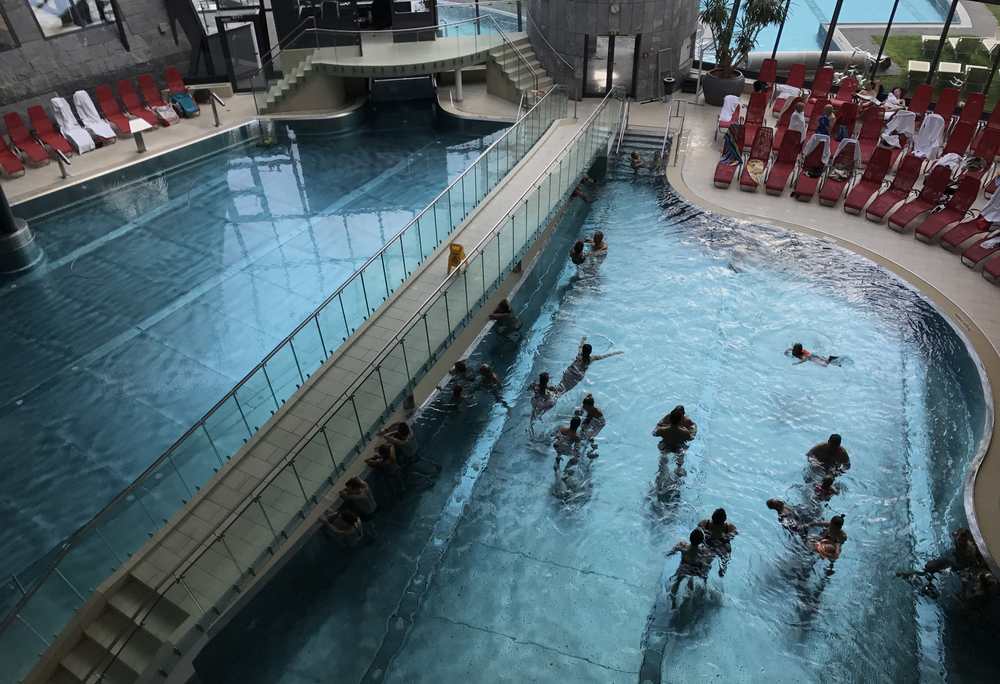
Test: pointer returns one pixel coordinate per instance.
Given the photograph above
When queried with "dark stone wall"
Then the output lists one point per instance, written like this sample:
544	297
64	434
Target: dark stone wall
42	68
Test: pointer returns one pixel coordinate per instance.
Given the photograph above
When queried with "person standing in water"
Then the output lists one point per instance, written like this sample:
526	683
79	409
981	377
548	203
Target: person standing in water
598	245
830	456
790	518
505	319
719	535
831	540
543	398
567	441
696	561
575	371
675	429
490	381
576	254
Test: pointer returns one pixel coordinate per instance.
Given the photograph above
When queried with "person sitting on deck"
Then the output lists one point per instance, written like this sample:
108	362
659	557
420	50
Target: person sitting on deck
357	496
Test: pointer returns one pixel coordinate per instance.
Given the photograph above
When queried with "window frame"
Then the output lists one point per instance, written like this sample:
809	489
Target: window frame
10	30
117	22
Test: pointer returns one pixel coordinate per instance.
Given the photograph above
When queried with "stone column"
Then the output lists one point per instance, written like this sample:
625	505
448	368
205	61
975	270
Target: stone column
18	249
458	84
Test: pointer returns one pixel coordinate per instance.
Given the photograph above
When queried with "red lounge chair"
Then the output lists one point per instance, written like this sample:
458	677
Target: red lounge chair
805	185
768	71
976	253
814	117
847	116
902	184
755	116
845	92
832	188
796	79
929	197
871	180
783	121
947	103
784	163
953	212
920	101
958	141
46	132
132	104
724	172
991	271
821	88
22	140
10	163
110	110
154	100
871	128
761	152
953	239
734	119
972	112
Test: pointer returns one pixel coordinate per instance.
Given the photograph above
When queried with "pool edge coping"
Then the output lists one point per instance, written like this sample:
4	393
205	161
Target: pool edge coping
960	321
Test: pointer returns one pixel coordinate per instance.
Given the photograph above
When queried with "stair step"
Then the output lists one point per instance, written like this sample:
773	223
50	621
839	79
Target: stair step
161	621
132	596
86	658
64	676
116	633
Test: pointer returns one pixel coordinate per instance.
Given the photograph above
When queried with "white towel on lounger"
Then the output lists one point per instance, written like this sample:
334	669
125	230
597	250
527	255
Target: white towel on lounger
930	138
729	105
70	127
89	117
991	211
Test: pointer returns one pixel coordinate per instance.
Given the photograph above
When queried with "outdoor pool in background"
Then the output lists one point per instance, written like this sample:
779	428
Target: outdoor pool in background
487	576
157	297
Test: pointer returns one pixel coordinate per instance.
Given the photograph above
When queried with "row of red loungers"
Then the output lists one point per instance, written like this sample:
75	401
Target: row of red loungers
933	215
30	145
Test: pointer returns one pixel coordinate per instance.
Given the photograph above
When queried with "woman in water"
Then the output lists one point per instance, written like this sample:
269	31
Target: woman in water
831	540
696	560
576	254
543	397
598	245
567	440
719	534
675	429
575	371
802	355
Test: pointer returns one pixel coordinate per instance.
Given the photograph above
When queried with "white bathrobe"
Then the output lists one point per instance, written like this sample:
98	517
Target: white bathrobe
89	117
930	138
729	105
70	127
991	211
797	122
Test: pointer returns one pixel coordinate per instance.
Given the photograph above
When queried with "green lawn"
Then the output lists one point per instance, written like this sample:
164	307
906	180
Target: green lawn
902	49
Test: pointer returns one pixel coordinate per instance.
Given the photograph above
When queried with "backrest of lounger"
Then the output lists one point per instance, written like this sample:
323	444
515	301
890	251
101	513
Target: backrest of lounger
756	107
128	95
961	136
106	100
973	109
822	82
797	75
871	124
906	176
935	183
947	103
878	165
921	99
150	93
15	127
762	143
39	120
790	145
768	70
174	81
786	113
968	190
987	145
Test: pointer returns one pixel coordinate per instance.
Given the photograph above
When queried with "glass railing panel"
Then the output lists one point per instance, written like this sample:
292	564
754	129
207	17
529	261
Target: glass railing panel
283	375
164	493
333	324
354	304
308	352
257	399
491	262
395	378
54	601
458	307
342	433
369	401
195	460
395	263
375	280
129	524
227	427
474	281
319	456
20	643
416	348
411	249
506	246
282	499
427	234
438	326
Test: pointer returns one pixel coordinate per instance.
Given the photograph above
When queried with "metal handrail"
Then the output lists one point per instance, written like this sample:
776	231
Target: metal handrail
623	123
175	576
541	34
70	542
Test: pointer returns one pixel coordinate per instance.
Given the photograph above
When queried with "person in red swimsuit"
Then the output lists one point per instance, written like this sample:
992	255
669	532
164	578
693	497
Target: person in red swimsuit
803	355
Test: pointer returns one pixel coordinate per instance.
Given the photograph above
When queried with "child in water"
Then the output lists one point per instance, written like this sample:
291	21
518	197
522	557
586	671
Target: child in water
802	355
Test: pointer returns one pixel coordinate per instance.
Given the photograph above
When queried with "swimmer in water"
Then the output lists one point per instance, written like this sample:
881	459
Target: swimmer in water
635	159
460	371
827	489
593	423
598	245
567	440
543	397
964	559
675	429
490	381
504	316
830	456
789	518
576	254
575	371
831	540
802	355
696	561
719	535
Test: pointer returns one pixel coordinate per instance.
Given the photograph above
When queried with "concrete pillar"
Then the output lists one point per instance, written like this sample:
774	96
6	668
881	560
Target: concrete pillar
458	84
18	249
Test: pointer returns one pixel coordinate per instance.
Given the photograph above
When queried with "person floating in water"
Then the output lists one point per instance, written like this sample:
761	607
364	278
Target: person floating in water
830	456
635	159
696	561
675	429
964	559
802	355
576	254
789	517
575	371
831	540
598	245
507	323
567	441
719	535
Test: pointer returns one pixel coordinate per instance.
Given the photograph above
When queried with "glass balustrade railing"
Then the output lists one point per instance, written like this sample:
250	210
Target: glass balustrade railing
43	603
297	480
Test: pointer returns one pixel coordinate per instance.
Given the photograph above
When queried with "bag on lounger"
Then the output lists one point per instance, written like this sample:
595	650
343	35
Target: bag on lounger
186	104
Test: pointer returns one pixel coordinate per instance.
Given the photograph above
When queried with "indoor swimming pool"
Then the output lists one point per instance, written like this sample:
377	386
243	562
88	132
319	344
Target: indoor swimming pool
499	572
156	297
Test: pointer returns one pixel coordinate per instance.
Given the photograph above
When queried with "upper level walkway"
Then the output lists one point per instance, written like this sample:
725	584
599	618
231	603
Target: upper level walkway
963	294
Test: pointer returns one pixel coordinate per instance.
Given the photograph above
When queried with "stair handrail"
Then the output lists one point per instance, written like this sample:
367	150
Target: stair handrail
73	540
177	574
515	49
623	124
541	34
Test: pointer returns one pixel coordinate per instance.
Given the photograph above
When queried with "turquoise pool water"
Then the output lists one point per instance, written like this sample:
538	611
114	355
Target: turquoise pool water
157	297
487	576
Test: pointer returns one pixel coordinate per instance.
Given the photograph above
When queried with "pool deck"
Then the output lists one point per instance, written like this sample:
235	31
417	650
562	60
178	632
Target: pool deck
971	302
239	110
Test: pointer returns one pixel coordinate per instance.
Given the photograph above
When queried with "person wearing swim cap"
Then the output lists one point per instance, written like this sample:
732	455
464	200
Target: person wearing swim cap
696	561
575	371
830	456
802	355
719	533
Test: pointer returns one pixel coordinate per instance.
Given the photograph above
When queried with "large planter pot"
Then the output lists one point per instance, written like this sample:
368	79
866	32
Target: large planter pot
716	88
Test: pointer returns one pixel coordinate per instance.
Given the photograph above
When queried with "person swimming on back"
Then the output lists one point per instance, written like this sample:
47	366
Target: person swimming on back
576	254
830	456
675	429
696	561
788	516
802	355
598	245
575	371
719	535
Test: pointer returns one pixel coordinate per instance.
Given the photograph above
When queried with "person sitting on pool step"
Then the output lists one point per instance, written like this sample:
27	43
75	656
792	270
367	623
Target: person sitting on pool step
575	371
802	355
635	159
490	381
346	528
696	561
719	535
400	436
357	496
506	322
830	456
384	461
675	429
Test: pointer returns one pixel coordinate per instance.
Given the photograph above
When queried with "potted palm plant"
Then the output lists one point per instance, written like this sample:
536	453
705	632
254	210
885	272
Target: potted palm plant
734	34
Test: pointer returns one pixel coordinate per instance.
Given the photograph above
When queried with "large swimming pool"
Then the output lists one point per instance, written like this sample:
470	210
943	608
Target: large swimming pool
157	297
487	576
